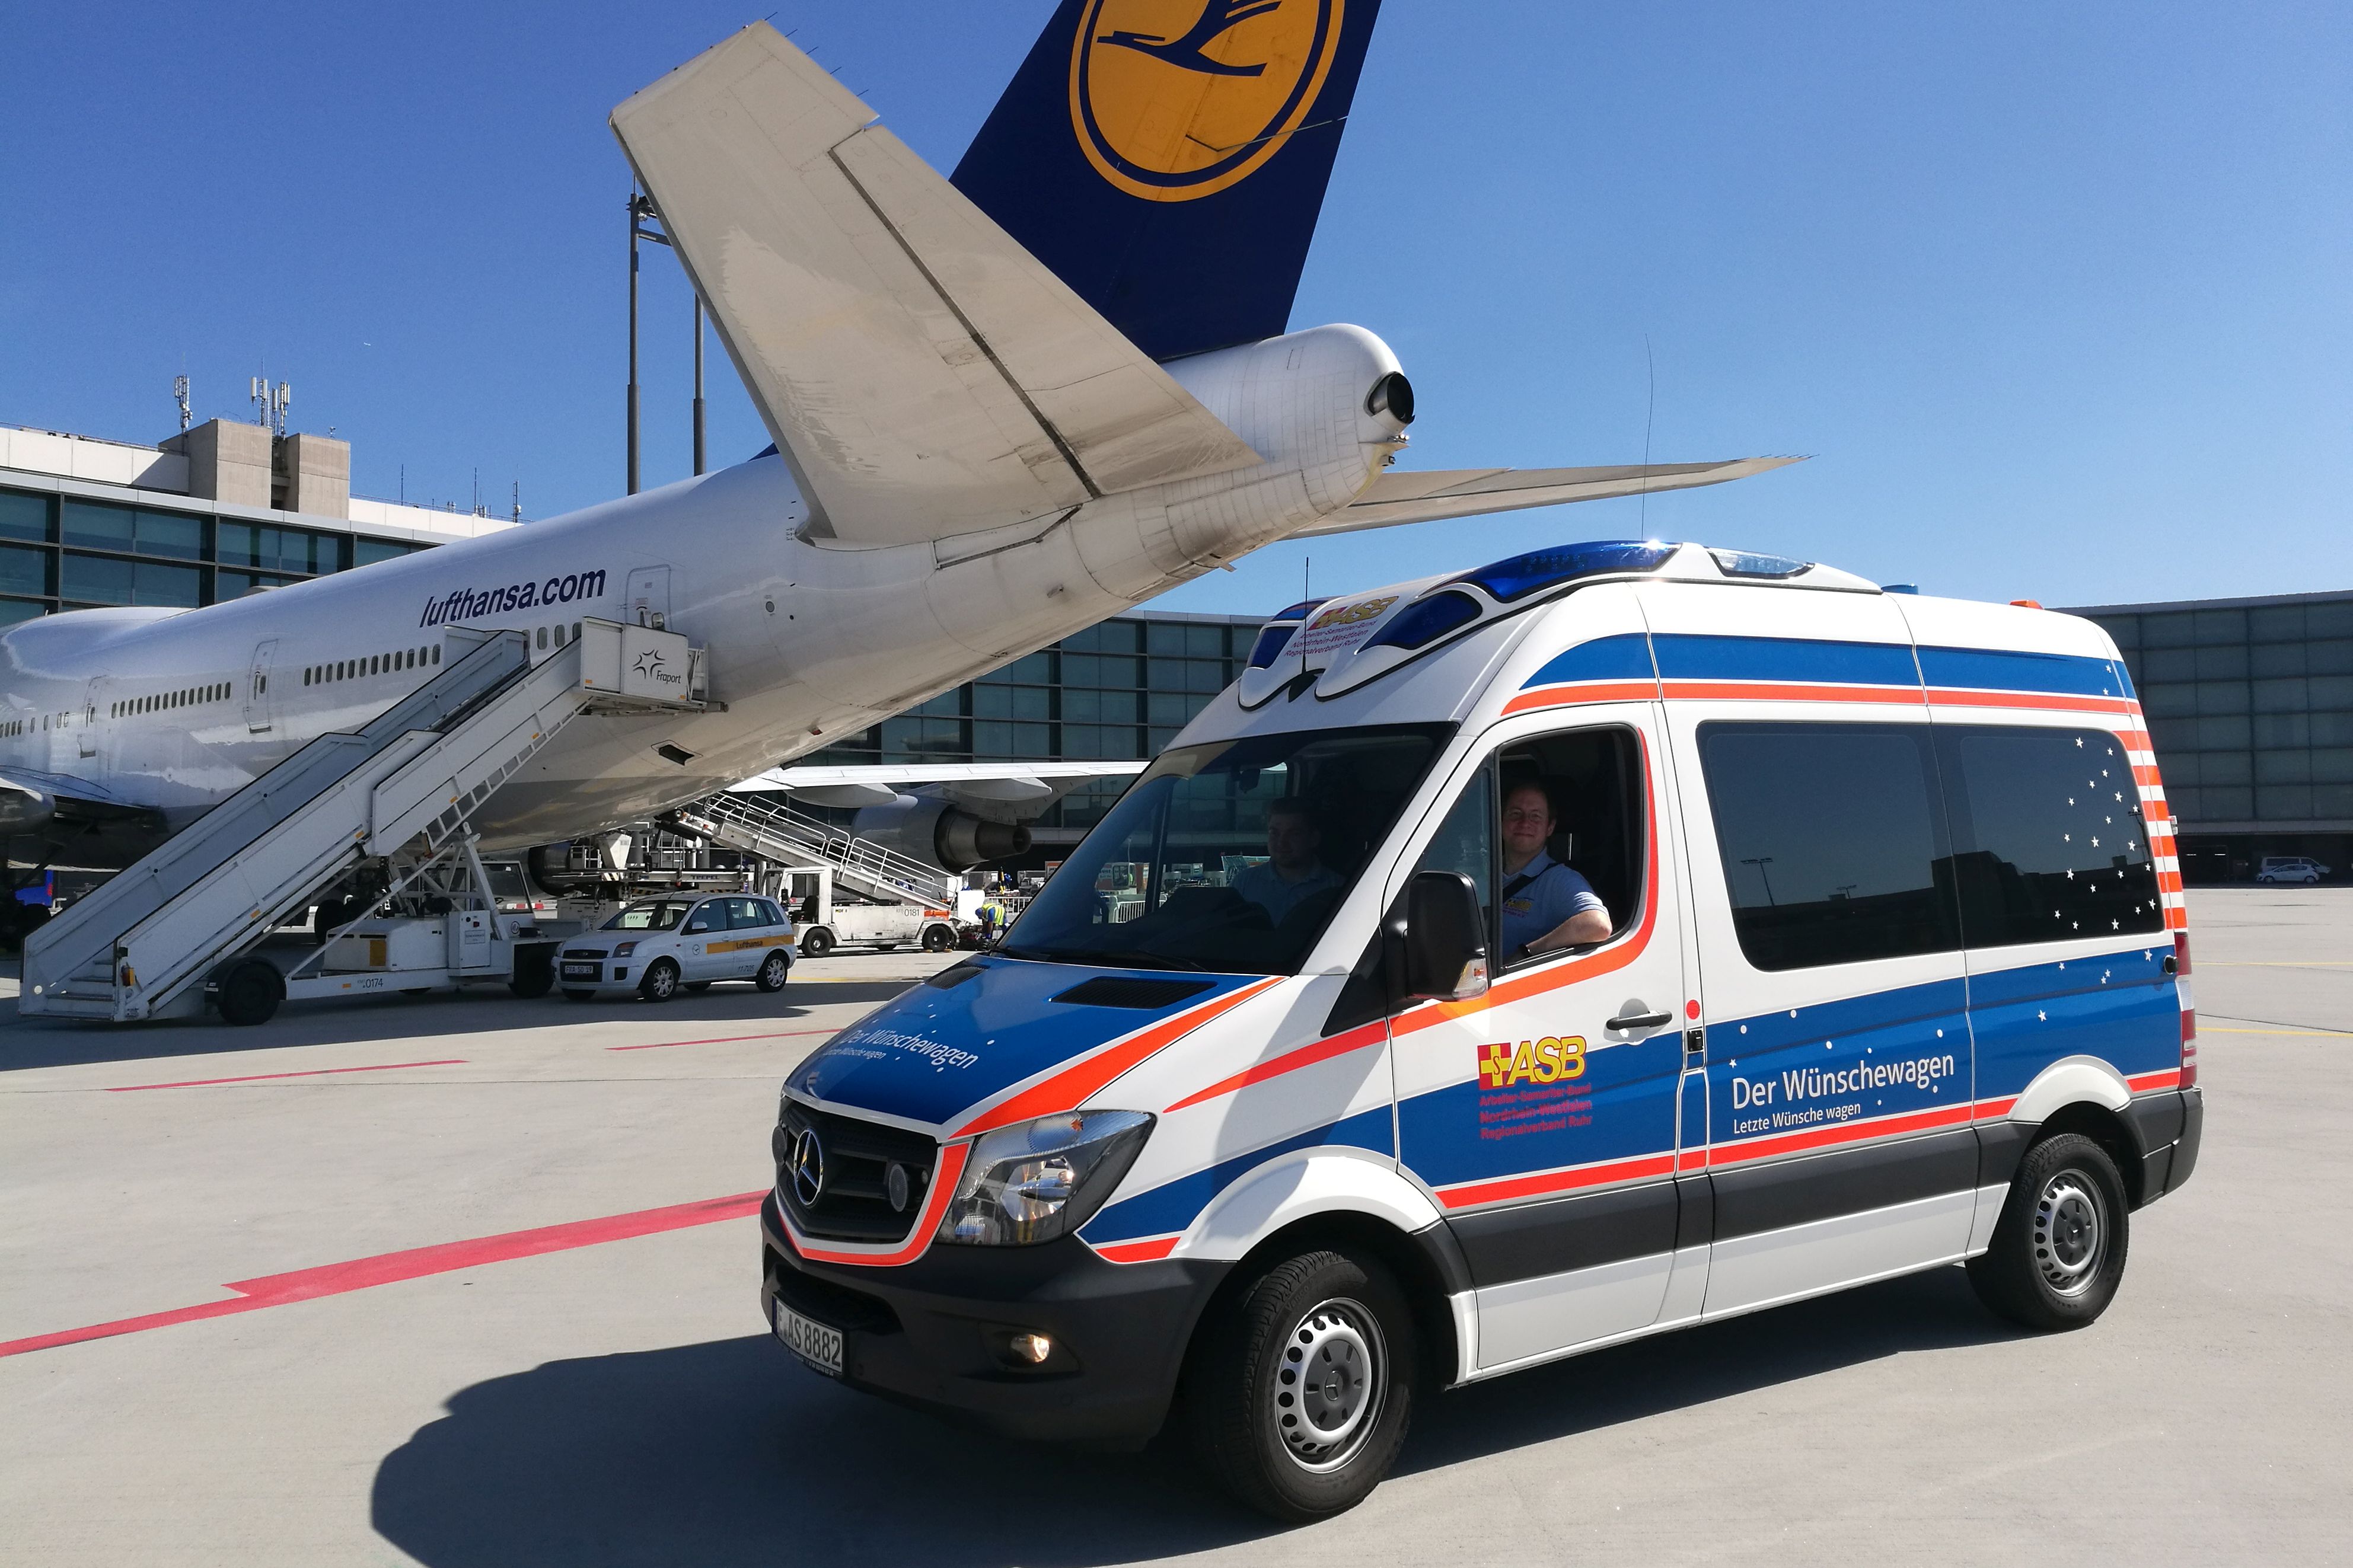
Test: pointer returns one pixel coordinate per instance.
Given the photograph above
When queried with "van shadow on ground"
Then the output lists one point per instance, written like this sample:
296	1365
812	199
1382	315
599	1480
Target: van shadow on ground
728	1453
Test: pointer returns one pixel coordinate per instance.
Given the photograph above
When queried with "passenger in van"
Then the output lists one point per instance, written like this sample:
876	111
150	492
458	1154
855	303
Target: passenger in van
1293	870
1546	905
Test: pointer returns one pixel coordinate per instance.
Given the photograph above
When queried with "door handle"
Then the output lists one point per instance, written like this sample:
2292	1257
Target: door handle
1625	1021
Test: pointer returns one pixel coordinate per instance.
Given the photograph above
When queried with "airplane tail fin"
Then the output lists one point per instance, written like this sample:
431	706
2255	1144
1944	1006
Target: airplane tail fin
1167	159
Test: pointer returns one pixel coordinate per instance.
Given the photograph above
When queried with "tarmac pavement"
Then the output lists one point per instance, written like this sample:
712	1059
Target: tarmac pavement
495	1305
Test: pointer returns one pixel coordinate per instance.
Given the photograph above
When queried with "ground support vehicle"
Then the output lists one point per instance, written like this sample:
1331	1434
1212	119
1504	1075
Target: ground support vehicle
658	947
829	915
1884	969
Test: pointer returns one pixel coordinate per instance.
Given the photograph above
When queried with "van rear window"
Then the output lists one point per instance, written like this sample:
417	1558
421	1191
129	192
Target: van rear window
2049	828
1832	841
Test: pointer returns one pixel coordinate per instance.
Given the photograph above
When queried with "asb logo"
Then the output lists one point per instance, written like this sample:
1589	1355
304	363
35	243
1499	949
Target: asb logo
1553	1060
1177	99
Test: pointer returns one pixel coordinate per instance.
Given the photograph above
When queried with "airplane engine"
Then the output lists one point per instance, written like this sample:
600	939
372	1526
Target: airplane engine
946	835
25	810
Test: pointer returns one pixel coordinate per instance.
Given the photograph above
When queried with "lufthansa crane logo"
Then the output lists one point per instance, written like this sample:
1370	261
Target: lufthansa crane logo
1174	100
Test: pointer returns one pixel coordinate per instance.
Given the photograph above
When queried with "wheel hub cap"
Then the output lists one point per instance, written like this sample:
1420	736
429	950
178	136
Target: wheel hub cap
2070	1233
1329	1385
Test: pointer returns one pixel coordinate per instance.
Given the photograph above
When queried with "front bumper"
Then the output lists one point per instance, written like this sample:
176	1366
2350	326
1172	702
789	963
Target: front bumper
935	1333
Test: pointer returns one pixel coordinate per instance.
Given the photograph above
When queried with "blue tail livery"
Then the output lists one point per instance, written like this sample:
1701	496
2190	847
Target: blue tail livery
1168	158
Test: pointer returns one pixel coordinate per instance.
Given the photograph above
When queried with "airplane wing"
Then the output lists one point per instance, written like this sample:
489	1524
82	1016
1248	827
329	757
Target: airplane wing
1394	498
1022	788
923	374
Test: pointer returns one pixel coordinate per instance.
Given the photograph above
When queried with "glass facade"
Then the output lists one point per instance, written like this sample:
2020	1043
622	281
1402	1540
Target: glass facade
2249	706
66	552
1118	691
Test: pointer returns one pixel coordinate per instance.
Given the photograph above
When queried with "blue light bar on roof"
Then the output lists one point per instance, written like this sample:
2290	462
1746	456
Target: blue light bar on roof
1419	626
1507	581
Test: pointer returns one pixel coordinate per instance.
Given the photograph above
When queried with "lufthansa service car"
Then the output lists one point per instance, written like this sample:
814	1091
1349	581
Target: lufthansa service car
658	945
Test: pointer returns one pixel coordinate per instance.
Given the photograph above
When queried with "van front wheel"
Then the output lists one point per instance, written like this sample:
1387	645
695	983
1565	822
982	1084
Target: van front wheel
1301	1388
2058	1252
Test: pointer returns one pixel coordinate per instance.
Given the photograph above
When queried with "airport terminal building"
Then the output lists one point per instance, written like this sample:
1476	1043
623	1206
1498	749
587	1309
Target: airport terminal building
2249	701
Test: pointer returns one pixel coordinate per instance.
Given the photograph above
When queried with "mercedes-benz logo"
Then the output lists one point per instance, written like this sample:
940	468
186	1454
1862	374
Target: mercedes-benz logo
808	1168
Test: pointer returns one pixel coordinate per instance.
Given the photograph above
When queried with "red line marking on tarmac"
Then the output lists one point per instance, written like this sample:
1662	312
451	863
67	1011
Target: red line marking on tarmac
415	1263
307	1072
722	1040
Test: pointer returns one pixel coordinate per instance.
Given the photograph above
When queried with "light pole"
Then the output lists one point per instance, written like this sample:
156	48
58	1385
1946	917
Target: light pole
1760	862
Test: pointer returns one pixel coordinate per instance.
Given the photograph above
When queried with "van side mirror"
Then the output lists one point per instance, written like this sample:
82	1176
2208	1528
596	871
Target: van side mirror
1445	939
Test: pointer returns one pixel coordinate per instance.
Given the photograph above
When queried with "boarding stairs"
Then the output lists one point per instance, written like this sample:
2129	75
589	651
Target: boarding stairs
774	831
145	943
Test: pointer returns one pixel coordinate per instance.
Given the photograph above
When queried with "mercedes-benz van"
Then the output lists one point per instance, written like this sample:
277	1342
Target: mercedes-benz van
1611	938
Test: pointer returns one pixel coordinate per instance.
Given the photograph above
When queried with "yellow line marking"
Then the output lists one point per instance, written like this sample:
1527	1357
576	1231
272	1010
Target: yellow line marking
2272	964
2322	1033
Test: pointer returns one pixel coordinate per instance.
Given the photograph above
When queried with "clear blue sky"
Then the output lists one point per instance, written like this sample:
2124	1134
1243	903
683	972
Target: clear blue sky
2057	297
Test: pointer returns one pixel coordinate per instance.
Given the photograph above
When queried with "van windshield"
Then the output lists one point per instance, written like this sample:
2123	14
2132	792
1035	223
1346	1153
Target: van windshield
654	914
506	878
1228	855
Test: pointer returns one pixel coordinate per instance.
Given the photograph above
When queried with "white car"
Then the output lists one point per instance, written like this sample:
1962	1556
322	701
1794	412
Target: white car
2290	868
657	946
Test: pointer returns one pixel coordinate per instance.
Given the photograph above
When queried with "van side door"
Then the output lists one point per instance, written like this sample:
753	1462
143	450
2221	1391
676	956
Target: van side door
1543	1116
1839	1060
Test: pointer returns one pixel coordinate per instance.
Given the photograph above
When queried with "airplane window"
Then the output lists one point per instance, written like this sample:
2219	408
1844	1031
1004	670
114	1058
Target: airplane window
559	634
542	637
437	655
575	630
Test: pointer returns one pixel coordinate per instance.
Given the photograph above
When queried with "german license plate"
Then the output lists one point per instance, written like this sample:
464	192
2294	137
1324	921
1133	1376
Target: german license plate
814	1343
580	972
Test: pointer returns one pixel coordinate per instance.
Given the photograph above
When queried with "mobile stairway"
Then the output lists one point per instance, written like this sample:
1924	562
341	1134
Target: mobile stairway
157	939
777	832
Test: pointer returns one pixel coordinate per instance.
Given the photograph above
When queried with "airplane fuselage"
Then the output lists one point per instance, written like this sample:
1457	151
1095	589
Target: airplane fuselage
174	711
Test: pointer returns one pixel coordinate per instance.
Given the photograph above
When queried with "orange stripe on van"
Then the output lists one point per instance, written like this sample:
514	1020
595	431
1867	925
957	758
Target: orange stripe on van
1789	692
1947	697
1322	1050
1572	692
1072	1087
1504	1188
1136	1251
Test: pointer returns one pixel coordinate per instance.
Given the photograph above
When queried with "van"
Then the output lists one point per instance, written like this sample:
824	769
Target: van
1616	938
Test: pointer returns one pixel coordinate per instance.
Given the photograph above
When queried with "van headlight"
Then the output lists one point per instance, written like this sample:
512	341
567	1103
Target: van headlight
1043	1178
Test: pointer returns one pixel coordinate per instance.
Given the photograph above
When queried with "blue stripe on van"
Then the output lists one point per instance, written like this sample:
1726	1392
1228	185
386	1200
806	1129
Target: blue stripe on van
1988	669
1912	1030
1173	1205
2120	1008
1686	658
1623	657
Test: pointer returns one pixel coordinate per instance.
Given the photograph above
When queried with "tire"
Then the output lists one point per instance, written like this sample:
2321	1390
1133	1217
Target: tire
817	942
1254	1425
250	994
774	971
661	982
698	986
576	995
2058	1252
938	939
535	971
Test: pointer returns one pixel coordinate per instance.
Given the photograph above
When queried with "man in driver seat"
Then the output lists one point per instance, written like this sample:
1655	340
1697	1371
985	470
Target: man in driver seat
1546	905
1292	871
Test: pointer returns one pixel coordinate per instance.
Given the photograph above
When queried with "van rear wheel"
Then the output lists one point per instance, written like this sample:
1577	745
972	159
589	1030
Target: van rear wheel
2058	1252
1301	1388
774	970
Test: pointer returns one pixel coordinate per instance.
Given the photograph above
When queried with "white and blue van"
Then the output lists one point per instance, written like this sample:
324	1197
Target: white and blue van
1619	937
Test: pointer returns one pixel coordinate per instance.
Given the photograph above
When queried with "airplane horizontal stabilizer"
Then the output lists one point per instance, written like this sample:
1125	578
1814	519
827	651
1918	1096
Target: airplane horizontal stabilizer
1399	497
923	374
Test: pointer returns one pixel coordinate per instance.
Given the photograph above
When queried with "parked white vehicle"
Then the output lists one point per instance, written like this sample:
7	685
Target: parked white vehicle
657	946
830	916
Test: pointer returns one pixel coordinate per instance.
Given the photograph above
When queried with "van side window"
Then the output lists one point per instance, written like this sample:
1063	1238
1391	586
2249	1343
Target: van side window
1832	838
2048	833
1465	841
